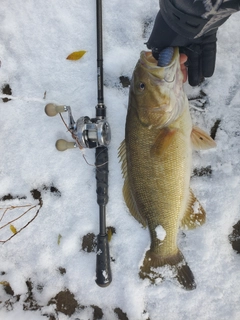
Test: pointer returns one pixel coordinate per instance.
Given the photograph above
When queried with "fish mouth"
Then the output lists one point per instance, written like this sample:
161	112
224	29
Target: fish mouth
159	73
148	57
148	61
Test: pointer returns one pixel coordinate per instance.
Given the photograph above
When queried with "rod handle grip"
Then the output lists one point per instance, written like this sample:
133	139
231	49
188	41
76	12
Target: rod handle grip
52	109
63	145
103	270
102	175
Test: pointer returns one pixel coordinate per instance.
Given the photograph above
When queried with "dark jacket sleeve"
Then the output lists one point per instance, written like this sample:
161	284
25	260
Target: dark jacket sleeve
192	26
194	18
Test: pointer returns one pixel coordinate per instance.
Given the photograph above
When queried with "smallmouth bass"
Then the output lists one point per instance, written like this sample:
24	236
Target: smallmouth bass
156	160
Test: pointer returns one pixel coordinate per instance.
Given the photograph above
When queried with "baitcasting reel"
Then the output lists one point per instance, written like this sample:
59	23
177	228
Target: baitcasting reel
88	133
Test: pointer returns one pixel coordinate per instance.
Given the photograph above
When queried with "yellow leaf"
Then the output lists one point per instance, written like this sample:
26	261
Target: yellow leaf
110	232
59	238
13	229
76	55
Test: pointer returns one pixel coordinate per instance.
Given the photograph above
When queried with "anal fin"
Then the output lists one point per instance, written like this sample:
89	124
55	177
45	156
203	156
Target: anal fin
194	215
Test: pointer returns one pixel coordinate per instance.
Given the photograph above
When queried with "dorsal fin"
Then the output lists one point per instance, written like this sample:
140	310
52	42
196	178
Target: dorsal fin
131	204
123	159
127	192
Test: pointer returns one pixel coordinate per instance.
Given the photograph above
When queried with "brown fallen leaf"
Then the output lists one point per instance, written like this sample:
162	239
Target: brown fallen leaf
76	55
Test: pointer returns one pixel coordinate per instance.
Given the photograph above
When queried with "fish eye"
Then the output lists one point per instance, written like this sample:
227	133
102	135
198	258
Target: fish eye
141	86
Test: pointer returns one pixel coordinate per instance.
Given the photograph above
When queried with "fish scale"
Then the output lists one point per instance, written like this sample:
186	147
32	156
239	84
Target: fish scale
160	177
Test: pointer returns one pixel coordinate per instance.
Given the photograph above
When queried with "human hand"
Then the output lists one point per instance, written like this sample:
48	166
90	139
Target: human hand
201	52
201	60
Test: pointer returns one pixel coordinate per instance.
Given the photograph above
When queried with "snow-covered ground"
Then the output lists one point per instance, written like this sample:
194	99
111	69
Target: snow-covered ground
46	258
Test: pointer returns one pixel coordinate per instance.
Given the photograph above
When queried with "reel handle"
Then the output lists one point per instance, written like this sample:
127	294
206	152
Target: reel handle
63	145
52	109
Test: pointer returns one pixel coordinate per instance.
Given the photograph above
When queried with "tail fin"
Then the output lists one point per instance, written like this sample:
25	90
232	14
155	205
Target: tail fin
154	267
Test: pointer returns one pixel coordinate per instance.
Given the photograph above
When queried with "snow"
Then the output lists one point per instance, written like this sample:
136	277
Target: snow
196	207
161	232
35	39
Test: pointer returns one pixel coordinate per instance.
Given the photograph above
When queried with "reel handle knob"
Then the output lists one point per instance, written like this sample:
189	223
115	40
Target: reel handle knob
63	145
52	109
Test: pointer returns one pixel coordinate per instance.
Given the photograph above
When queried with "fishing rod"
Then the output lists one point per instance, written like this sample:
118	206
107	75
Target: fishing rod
103	270
93	133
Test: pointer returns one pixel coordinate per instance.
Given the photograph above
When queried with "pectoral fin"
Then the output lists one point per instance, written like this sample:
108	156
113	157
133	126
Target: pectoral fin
163	141
194	215
201	140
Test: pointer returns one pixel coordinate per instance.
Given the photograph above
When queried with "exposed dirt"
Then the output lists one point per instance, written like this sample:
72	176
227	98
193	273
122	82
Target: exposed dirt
89	241
125	81
215	128
6	89
63	302
234	237
11	197
121	315
204	171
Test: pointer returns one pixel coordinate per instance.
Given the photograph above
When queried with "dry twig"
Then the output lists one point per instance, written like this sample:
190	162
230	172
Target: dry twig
29	206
